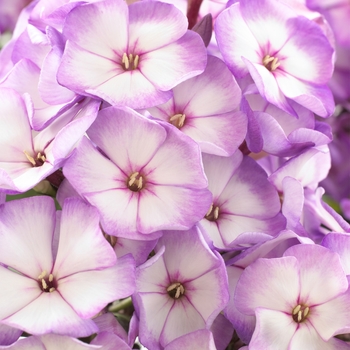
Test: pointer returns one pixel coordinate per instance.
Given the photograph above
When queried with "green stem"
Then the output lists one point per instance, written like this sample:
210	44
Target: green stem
123	304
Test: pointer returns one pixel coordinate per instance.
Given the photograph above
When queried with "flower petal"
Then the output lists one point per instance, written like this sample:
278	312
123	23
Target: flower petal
82	246
26	233
51	314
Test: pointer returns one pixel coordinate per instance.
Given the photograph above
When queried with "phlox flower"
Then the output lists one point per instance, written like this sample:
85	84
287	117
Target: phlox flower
129	55
180	290
51	342
143	176
206	109
287	55
57	271
300	300
243	200
28	157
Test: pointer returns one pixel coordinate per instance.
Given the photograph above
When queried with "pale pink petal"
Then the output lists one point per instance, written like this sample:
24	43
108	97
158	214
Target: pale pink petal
213	92
187	268
118	209
8	335
201	339
183	318
171	207
276	286
256	194
15	130
29	343
138	91
332	317
307	55
59	342
269	86
83	170
339	243
51	314
319	281
211	286
172	64
109	341
218	134
235	40
154	310
50	91
82	246
27	228
90	291
317	98
306	337
123	129
153	276
81	70
177	162
145	21
221	168
270	15
274	331
99	27
16	292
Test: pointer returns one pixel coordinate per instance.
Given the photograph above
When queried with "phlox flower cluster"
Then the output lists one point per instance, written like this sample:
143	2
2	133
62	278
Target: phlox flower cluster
174	174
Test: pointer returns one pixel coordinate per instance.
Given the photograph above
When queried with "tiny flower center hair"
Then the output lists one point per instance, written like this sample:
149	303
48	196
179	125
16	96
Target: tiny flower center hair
178	120
135	182
130	62
176	290
37	160
300	313
47	283
271	63
213	213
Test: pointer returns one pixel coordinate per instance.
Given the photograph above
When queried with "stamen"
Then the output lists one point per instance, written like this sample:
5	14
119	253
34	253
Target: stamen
216	213
267	59
274	64
178	288
271	63
210	210
136	61
178	120
300	313
213	213
30	158
52	289
173	286
139	185
43	282
42	275
296	309
41	157
125	60
135	182
50	277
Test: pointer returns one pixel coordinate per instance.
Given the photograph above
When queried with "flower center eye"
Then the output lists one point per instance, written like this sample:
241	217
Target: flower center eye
47	283
271	63
300	313
135	182
39	159
213	213
178	120
130	62
176	290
